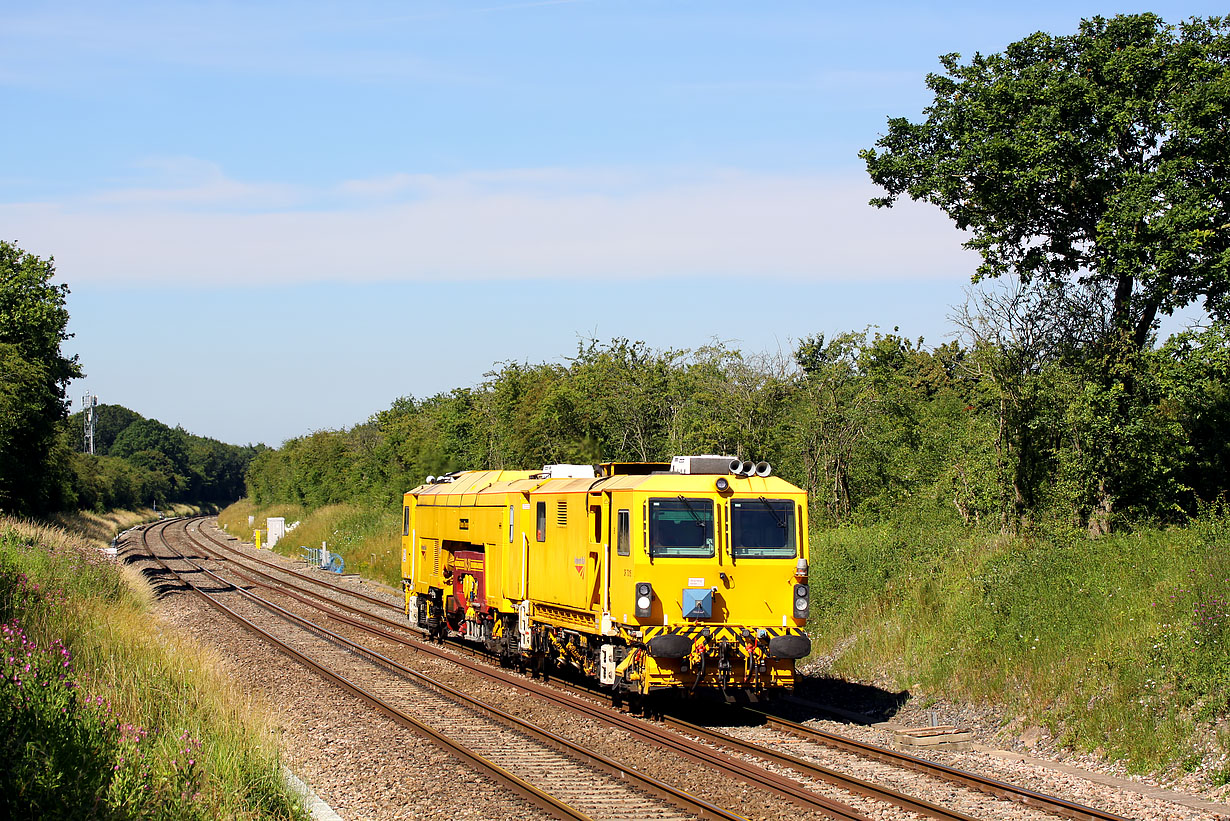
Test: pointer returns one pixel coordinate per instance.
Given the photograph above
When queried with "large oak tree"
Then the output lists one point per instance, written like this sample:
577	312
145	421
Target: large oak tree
1095	169
1098	161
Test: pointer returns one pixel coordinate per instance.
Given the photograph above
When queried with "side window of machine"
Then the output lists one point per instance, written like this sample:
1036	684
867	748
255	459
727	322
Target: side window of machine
540	517
623	534
405	520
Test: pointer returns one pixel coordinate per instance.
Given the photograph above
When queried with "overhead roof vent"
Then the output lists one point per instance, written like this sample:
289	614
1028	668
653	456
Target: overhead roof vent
701	464
567	472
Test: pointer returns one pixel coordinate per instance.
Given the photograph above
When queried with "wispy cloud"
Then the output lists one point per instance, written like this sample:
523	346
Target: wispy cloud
520	224
192	183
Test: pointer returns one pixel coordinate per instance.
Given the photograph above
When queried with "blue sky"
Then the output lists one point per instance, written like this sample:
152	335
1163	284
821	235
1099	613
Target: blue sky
310	209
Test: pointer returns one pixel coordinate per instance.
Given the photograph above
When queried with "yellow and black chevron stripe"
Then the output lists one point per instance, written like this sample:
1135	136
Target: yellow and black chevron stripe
718	632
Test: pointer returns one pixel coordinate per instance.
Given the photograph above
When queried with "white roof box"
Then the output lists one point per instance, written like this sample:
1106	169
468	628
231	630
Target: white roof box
568	471
701	464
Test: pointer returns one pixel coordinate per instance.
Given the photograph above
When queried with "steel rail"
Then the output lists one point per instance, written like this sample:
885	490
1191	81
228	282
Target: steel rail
275	566
785	786
495	771
984	784
652	785
1053	805
274	580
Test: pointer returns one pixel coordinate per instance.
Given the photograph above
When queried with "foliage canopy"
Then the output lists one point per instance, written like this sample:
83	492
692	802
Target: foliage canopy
41	468
34	376
1097	162
874	426
142	461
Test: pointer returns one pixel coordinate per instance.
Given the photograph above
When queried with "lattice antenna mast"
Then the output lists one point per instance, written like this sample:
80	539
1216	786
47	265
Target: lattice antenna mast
89	404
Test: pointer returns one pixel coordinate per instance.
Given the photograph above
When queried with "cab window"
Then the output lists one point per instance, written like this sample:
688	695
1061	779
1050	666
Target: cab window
681	527
540	521
762	528
623	535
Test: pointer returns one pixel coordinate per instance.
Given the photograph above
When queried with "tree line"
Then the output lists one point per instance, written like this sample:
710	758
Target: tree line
1092	173
872	425
138	461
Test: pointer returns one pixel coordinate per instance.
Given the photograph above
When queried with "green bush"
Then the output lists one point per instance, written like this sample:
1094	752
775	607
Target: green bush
61	751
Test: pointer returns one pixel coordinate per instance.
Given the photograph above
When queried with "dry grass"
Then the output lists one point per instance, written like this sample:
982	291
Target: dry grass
368	539
102	527
234	518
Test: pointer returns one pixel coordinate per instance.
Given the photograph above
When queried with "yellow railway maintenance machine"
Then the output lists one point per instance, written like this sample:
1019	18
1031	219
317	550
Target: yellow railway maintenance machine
689	575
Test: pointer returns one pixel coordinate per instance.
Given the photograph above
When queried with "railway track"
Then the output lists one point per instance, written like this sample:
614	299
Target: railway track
656	736
551	772
789	787
1000	789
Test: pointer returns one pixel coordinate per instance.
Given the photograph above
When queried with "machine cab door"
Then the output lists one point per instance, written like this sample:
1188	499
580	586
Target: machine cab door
599	547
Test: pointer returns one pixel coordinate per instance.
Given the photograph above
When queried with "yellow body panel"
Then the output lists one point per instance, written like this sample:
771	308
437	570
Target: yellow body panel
568	573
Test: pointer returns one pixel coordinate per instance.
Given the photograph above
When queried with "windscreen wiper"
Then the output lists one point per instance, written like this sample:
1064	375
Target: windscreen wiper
780	521
692	510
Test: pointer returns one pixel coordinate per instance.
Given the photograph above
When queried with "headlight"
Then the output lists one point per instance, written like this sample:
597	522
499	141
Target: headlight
800	601
644	600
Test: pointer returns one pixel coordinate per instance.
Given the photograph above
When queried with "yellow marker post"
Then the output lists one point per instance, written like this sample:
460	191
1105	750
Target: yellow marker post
256	537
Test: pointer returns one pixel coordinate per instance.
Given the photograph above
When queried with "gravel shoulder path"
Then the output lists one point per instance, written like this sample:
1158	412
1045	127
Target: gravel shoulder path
1007	748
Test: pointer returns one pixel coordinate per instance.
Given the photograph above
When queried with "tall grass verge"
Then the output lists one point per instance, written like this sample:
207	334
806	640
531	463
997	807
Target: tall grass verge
101	527
1120	645
369	539
105	715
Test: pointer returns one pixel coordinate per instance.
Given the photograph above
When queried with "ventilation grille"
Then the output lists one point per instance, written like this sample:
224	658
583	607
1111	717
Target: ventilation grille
561	513
432	546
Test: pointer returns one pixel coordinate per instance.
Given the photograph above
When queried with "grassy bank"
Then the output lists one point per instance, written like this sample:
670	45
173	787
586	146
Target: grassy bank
105	715
102	527
1117	645
368	539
